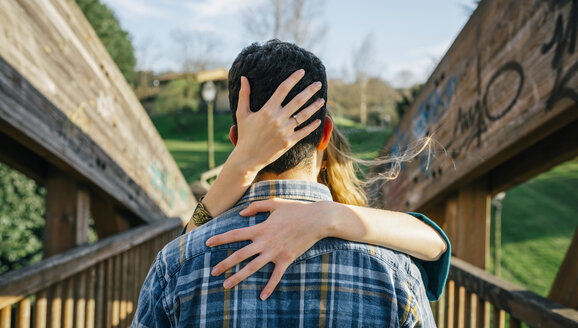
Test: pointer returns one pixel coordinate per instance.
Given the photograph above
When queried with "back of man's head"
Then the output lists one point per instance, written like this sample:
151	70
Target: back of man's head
266	66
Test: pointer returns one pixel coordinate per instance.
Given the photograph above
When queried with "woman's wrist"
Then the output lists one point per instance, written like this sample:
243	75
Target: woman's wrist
331	219
243	165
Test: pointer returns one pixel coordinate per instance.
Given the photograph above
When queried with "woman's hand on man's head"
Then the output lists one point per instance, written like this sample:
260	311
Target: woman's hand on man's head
262	137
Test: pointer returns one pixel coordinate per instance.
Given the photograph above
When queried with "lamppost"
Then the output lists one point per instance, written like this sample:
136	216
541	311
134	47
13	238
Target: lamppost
209	93
497	202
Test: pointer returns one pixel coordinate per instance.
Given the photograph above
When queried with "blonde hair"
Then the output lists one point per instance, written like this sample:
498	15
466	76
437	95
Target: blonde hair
340	168
339	173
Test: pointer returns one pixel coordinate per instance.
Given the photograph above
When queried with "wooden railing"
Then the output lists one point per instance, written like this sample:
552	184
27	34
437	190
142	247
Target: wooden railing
475	298
90	286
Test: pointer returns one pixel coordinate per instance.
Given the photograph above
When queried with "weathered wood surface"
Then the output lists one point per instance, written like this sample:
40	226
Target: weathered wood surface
519	302
17	284
564	289
508	81
53	47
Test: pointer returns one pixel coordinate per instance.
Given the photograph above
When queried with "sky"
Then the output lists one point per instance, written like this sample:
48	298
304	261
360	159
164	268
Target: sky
407	35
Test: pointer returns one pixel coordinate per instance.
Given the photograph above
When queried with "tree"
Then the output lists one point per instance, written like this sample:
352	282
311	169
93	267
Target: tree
21	219
197	49
363	67
407	100
116	40
295	21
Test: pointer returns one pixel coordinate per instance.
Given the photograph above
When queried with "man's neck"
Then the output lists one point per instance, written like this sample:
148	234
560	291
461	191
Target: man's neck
306	174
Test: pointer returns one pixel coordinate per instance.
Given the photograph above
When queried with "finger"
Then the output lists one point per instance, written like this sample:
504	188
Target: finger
284	88
244	103
306	113
259	207
232	236
300	99
234	259
245	272
274	280
306	130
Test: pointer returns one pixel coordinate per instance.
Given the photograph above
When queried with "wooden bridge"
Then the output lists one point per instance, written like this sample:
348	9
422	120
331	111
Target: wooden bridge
502	102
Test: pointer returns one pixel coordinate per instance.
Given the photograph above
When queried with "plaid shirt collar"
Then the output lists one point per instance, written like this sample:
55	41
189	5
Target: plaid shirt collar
288	189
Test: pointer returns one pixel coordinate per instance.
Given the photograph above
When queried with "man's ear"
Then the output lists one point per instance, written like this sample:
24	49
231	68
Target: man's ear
233	135
327	129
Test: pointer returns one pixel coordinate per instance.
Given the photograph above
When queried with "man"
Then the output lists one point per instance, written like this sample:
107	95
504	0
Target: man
335	283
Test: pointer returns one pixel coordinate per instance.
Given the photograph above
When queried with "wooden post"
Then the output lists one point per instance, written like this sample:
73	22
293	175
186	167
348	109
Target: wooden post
67	213
472	223
107	221
565	287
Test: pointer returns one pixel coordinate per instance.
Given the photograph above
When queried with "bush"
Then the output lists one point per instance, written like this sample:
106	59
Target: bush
21	219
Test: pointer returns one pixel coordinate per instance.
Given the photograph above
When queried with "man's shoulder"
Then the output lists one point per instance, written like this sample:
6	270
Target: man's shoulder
387	257
192	245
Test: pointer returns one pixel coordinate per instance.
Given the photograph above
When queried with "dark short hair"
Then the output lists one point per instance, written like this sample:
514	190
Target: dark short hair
266	66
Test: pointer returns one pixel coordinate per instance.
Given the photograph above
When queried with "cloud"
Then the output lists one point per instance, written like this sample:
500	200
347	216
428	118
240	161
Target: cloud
218	8
138	8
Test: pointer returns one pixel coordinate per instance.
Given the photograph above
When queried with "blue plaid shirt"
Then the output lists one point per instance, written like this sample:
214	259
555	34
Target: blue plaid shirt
335	283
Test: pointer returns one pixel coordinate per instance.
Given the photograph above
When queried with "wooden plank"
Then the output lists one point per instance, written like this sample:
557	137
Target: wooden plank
23	319
108	292
507	82
483	315
440	310
473	224
90	297
124	287
41	310
25	281
498	318
116	287
451	303
56	305
515	323
471	309
82	215
54	48
461	307
100	295
6	317
68	314
519	302
67	214
80	306
107	221
564	290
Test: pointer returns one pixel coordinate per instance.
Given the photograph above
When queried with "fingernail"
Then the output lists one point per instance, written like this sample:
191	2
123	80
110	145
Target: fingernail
227	284
209	242
301	72
317	84
243	211
263	296
320	101
215	272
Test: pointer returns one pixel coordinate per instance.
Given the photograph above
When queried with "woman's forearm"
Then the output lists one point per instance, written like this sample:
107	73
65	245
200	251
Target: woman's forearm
395	230
234	179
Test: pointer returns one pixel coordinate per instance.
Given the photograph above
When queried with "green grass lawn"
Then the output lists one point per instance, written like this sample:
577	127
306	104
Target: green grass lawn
187	141
539	216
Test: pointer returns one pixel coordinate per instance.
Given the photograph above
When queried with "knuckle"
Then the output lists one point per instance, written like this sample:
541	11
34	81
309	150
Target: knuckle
286	257
253	266
237	256
284	87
